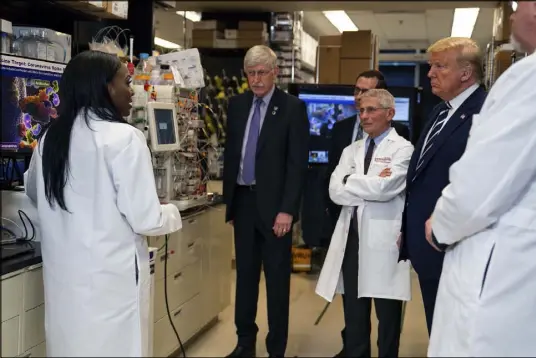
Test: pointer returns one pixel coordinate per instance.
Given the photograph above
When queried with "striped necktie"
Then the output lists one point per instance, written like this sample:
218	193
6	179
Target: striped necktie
434	131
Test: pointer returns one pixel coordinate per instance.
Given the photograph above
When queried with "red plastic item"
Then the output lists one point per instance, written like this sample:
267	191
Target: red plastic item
130	67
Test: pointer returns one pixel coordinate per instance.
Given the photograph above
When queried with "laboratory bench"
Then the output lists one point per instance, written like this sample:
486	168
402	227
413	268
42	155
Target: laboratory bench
198	282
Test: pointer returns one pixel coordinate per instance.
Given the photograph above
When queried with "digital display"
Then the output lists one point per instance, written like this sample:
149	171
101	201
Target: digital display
318	156
401	109
164	122
324	111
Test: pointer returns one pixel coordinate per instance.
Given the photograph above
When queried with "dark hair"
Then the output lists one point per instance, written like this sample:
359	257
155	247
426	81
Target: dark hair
374	74
83	87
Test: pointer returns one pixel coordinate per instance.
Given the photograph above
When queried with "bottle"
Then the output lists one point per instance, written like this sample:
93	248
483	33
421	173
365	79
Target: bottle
155	76
167	75
142	73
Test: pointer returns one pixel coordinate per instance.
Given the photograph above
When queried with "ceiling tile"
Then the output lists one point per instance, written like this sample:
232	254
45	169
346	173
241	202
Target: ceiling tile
403	26
438	24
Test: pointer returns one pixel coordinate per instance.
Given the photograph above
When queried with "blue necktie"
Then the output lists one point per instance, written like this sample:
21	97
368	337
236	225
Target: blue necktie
248	165
434	131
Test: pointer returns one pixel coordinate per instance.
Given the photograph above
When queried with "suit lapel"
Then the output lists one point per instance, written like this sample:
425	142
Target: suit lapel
462	114
273	112
243	115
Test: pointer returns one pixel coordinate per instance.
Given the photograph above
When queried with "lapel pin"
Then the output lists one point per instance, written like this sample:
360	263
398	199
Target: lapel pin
462	116
275	110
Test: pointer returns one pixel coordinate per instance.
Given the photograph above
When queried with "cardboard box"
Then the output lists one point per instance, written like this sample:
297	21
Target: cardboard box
501	21
333	40
328	65
118	8
208	25
502	60
252	34
357	44
206	34
231	34
99	4
203	43
252	25
351	67
225	43
248	43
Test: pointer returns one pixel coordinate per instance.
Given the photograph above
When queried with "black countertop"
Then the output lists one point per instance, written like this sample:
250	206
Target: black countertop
22	261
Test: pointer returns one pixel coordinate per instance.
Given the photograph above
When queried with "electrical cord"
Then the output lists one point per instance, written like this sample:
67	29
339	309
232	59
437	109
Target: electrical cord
166	298
14	238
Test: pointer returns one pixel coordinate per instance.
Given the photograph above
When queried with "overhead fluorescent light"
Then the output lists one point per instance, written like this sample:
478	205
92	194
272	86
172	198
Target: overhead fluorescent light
464	21
514	5
190	15
166	44
340	20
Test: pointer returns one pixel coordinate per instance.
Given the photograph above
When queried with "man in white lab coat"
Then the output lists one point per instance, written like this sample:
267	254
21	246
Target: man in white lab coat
362	260
486	221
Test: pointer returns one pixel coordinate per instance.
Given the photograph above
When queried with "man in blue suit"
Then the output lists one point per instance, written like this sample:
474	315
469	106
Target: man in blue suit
456	74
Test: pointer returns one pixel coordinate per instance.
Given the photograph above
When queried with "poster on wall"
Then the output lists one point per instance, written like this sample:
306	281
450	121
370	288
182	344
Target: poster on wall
30	100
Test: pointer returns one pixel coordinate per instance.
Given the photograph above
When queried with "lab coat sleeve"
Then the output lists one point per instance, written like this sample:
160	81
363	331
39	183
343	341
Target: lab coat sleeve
137	200
337	192
375	188
496	169
30	178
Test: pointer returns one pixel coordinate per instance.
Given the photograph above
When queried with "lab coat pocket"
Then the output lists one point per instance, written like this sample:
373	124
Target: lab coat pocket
382	234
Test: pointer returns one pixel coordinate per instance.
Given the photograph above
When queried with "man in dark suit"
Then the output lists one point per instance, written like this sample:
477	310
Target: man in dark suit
265	162
455	74
346	132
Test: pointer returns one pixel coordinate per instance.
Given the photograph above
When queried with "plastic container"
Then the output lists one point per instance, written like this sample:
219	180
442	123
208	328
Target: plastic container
142	74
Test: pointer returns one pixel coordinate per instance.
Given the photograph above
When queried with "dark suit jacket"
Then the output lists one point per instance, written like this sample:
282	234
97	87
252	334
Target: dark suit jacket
341	137
424	186
282	154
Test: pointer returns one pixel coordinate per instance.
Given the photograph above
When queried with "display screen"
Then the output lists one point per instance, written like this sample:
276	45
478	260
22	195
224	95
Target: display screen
324	110
402	109
318	156
29	99
165	127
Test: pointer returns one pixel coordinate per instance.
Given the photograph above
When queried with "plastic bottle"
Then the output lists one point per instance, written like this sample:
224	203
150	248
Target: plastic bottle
155	76
167	75
142	74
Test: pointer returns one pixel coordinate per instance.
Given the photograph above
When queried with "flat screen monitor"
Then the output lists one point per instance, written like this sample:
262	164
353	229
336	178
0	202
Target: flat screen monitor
318	157
163	127
324	110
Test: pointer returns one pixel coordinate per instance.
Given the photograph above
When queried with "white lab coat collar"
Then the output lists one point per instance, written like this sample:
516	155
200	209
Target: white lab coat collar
457	101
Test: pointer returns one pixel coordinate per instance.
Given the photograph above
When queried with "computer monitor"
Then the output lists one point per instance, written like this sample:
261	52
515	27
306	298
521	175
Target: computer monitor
163	129
318	157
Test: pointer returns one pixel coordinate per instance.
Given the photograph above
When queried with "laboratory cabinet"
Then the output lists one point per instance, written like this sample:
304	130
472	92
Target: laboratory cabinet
198	278
23	313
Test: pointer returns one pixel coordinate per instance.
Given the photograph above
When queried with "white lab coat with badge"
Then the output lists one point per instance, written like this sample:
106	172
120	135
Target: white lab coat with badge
486	302
380	203
93	305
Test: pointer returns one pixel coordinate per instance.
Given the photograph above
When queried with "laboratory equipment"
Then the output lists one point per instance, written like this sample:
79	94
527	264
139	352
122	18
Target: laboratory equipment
163	130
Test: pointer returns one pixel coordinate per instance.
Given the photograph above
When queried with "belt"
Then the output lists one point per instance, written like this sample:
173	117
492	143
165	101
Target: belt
248	187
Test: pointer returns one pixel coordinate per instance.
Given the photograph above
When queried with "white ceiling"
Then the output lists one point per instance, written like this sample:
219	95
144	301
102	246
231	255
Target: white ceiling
408	30
399	25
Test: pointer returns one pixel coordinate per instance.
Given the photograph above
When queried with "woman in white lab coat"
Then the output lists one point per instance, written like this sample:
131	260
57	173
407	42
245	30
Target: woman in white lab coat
92	180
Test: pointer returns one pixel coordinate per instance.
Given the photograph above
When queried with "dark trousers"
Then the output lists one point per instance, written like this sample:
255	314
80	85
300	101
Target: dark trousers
429	288
256	245
357	311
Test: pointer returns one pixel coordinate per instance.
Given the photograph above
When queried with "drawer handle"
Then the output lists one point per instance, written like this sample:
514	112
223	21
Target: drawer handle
177	313
192	221
178	275
190	245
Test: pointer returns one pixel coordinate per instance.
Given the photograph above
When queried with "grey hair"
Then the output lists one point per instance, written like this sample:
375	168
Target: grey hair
260	55
385	98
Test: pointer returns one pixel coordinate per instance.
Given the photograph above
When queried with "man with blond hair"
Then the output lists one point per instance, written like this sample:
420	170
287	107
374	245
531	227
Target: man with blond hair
362	260
485	220
456	74
265	163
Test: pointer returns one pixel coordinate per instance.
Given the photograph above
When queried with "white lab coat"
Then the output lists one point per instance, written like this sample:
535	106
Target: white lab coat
93	306
488	215
380	204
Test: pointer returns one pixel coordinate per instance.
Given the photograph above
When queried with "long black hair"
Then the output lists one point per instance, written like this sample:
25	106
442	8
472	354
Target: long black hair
83	88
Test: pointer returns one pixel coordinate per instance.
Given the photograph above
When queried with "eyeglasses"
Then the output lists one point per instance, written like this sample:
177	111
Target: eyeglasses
370	110
260	73
358	90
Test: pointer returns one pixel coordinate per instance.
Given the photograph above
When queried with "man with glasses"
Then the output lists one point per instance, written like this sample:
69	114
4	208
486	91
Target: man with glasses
362	261
265	163
346	132
456	74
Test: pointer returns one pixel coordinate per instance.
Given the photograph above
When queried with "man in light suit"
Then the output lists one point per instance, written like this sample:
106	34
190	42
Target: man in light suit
456	74
265	163
369	183
485	220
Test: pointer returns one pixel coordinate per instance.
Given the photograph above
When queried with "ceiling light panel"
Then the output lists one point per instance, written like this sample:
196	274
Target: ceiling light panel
190	15
464	21
340	20
166	44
